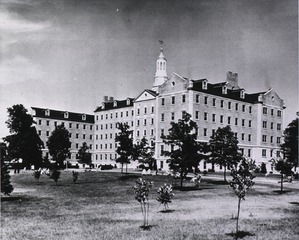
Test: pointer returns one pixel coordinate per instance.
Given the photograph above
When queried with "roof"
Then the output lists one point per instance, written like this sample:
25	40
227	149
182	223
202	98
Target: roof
216	89
60	115
114	104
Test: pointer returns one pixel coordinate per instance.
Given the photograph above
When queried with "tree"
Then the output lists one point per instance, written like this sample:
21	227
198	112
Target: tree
84	155
290	145
141	190
6	187
186	151
54	174
241	182
165	195
125	144
59	144
224	149
24	142
285	168
144	153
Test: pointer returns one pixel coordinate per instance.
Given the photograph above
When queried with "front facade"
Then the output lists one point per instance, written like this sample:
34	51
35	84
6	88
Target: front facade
256	118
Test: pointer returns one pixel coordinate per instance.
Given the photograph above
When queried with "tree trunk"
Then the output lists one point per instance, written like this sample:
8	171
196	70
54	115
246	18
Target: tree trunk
181	180
224	173
122	167
126	167
281	183
237	226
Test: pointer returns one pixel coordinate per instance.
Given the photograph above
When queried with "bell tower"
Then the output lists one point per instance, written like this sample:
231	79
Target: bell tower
161	74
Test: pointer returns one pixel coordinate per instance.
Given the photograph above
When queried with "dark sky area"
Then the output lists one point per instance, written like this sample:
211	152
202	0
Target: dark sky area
68	54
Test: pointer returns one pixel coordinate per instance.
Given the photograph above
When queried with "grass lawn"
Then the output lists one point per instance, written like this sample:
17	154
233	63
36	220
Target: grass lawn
101	205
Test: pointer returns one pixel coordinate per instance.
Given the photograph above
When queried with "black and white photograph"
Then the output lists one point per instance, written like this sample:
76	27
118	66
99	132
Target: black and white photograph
149	119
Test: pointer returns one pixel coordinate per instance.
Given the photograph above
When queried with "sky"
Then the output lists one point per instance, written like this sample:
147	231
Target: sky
68	54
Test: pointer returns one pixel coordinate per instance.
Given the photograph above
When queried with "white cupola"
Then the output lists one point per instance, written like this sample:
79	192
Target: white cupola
161	74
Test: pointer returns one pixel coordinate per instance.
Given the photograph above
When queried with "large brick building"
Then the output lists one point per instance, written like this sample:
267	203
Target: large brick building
256	118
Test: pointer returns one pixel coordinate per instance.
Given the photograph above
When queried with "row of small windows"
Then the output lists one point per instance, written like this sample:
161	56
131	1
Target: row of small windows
107	126
145	133
77	135
106	146
265	112
77	146
70	125
264	139
122	114
105	156
265	125
145	110
65	115
264	153
214	103
144	122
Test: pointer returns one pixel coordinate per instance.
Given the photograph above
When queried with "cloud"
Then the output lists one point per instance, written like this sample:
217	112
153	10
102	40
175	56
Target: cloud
18	69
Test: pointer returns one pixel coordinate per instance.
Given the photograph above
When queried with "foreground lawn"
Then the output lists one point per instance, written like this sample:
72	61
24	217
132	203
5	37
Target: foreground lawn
101	205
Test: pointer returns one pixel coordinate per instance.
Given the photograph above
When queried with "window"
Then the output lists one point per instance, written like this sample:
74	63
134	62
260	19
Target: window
132	112
236	121
47	113
229	105
224	90
236	135
111	125
228	120
264	124
206	100
278	126
183	98
221	118
173	100
162	101
145	110
39	132
39	122
204	85
172	116
84	126
197	98
97	137
272	112
213	132
265	110
249	123
153	109
83	136
278	154
243	108
162	133
242	94
162	150
214	102
243	122
205	132
278	113
249	153
90	127
162	117
48	123
249	137
271	125
144	122
221	103
77	126
264	153
77	135
77	145
264	138
138	122
250	109
196	114
242	136
111	115
205	116
278	140
271	139
152	132
214	117
237	106
152	121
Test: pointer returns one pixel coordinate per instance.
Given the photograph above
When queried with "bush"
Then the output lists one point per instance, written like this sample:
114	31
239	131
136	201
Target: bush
263	168
37	174
205	172
165	195
211	170
54	174
75	176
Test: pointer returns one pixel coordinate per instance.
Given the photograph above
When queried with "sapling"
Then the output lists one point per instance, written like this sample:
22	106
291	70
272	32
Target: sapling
55	174
241	182
165	195
37	174
142	189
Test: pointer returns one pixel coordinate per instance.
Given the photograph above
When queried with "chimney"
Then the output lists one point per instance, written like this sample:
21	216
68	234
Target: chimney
105	99
110	99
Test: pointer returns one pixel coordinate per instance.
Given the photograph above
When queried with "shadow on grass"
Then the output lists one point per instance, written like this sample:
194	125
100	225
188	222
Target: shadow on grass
295	203
14	198
167	211
218	182
147	228
190	188
282	192
129	176
240	234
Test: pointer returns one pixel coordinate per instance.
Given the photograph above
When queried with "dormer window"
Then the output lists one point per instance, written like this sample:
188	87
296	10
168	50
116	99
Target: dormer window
242	94
224	90
66	115
115	104
47	112
128	101
103	105
84	117
204	85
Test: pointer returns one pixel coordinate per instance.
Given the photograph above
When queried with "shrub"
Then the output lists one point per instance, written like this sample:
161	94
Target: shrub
37	174
54	174
106	167
165	195
263	168
75	176
6	187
